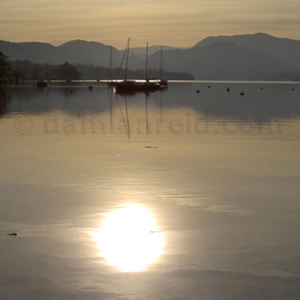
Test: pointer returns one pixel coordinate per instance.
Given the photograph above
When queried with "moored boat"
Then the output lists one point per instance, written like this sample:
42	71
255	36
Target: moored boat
41	83
137	85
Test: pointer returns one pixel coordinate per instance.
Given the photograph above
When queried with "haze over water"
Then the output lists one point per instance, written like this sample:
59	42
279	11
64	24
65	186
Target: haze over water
189	193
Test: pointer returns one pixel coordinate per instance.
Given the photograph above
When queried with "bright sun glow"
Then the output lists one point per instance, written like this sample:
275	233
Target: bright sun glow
129	239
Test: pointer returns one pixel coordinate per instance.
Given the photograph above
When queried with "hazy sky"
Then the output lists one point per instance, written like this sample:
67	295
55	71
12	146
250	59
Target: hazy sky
167	22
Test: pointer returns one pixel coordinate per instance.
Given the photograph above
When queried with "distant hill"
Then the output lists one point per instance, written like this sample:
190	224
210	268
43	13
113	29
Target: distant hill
137	55
77	51
141	51
286	50
241	57
84	52
221	61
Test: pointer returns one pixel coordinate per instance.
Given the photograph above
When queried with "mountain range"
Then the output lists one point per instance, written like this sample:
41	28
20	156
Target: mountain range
240	57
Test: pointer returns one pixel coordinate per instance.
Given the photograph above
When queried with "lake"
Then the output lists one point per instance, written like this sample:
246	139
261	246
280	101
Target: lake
186	193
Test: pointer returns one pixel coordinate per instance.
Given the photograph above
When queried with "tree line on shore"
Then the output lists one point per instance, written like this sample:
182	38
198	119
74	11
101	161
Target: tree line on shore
14	72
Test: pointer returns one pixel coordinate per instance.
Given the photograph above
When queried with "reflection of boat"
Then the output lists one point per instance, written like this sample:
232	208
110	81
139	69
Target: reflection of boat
137	85
41	83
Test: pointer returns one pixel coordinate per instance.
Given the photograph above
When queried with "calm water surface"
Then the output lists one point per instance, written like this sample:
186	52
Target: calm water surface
189	193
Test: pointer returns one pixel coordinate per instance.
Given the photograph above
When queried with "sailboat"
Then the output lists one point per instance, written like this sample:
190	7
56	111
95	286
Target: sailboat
136	85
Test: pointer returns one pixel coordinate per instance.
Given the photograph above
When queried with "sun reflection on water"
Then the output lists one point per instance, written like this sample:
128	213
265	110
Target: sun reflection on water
129	239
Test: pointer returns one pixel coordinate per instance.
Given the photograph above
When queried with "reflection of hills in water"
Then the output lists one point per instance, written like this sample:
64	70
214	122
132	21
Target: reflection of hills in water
4	99
260	101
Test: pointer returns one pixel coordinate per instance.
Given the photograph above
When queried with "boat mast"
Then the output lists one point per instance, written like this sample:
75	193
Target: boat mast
161	63
126	52
147	61
127	49
110	64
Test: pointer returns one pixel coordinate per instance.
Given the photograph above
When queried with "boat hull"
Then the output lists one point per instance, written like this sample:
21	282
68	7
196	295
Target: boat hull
41	83
136	85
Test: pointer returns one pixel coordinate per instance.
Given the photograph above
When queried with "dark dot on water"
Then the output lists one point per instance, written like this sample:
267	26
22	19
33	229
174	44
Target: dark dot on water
292	89
228	89
242	94
209	86
198	91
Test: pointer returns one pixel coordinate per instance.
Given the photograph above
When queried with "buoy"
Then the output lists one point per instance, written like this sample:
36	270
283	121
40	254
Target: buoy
228	89
242	94
198	91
